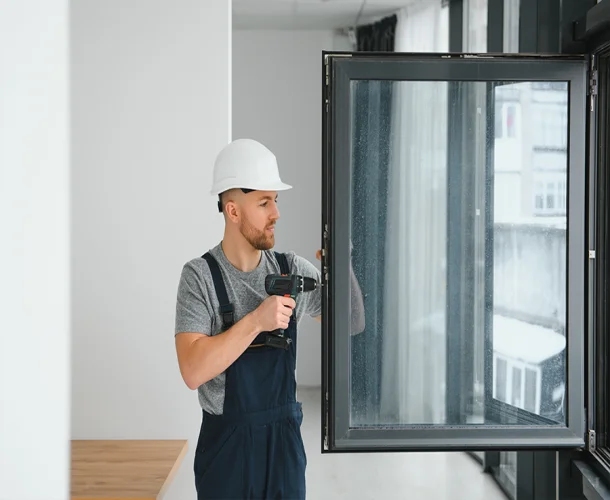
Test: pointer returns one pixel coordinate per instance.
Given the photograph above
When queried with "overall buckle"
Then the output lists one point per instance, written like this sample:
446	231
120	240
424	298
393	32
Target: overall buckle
226	311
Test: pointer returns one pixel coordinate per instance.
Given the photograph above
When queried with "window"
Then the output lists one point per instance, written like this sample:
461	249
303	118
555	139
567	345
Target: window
539	197
550	127
560	86
599	416
511	117
522	389
506	473
550	195
511	26
472	339
506	120
475	26
501	384
529	364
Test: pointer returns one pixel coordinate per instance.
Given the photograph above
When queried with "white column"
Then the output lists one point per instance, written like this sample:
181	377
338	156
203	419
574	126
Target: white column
34	250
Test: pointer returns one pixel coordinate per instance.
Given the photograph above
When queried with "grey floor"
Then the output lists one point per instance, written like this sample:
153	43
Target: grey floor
381	476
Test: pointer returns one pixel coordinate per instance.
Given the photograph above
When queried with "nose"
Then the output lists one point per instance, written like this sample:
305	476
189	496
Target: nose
276	212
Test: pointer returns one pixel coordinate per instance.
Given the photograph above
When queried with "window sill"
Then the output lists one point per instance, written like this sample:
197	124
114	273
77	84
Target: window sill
593	487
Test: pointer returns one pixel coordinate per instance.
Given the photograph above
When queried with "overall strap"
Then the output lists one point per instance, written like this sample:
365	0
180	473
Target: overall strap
226	308
283	262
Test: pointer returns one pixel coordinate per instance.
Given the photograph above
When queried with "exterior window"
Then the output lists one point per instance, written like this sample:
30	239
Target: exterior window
511	118
524	387
501	379
539	197
531	389
550	119
550	195
506	120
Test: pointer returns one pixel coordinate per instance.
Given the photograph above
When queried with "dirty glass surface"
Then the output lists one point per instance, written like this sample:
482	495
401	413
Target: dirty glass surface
459	251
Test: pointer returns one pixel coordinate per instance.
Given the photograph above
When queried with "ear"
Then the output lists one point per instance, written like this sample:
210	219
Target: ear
232	211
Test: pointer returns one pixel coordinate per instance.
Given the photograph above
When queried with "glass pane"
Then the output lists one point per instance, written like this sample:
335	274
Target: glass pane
529	257
516	389
475	26
506	474
511	26
501	380
463	274
531	390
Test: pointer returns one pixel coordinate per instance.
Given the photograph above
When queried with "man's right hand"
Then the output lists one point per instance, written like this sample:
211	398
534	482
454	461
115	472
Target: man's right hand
203	357
274	313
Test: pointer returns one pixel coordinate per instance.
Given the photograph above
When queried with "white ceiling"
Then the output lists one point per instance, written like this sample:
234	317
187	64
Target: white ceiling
310	14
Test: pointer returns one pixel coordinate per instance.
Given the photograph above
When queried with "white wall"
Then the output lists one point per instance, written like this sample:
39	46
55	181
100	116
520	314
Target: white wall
277	100
150	101
34	253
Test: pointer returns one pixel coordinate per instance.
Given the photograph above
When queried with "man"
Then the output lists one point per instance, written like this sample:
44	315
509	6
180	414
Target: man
250	443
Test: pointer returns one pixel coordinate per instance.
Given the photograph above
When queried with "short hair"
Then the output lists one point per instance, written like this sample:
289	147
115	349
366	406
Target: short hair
220	202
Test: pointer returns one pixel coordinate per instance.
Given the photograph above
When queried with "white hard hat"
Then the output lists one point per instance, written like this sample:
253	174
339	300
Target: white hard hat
246	164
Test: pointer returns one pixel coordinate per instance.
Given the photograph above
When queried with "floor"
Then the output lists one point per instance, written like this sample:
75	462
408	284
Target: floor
380	476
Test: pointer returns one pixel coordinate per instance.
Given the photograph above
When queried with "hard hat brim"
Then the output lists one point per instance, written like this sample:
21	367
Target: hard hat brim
272	186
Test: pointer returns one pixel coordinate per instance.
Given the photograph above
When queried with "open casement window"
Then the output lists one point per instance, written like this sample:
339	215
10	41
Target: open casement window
455	252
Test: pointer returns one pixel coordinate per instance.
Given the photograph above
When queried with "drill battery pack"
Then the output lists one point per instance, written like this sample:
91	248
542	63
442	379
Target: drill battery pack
271	339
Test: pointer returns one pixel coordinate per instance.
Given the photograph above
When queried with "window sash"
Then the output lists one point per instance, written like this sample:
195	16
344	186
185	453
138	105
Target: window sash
339	435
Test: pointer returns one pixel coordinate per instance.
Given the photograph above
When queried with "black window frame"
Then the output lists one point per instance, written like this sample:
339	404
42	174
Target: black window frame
591	33
338	70
600	353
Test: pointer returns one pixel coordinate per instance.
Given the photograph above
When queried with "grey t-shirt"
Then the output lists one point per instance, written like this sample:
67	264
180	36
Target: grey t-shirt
197	307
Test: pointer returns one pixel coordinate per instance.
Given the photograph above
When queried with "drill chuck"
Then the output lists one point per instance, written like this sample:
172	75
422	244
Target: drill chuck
289	284
309	284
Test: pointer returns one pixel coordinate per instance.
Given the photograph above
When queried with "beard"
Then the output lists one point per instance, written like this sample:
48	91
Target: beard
257	238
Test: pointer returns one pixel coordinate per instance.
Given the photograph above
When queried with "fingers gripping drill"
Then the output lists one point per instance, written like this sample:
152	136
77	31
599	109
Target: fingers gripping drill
286	285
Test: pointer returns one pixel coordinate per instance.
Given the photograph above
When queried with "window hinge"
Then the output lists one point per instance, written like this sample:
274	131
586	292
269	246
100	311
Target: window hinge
591	441
327	65
326	423
593	82
327	84
325	256
591	254
327	76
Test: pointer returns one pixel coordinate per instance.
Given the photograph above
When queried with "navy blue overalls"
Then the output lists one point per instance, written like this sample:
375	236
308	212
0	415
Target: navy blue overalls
254	450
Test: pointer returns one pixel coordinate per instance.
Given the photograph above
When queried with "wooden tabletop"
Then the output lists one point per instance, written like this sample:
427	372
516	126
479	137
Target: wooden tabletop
124	469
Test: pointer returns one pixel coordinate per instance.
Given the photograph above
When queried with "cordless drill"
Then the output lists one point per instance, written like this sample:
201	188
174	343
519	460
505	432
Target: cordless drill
289	285
285	285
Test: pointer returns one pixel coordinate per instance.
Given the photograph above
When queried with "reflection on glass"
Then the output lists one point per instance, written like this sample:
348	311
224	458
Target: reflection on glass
459	246
506	473
530	220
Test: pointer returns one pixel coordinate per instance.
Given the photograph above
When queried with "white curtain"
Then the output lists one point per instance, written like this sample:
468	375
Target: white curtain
414	340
